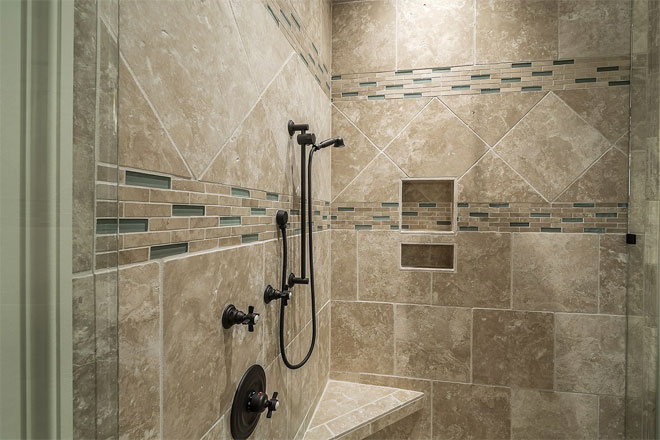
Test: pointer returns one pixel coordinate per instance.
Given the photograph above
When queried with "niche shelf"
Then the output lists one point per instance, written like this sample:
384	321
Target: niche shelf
428	256
427	205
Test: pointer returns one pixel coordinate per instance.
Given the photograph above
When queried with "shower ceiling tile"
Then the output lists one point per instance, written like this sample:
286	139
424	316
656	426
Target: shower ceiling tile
492	180
605	108
436	143
381	120
516	30
551	146
380	180
189	60
363	36
594	28
492	116
605	181
348	162
434	34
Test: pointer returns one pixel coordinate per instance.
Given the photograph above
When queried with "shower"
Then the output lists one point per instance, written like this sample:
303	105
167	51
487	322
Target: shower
304	139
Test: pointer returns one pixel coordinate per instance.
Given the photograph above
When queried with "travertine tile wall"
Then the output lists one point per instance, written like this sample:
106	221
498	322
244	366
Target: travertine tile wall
526	339
205	161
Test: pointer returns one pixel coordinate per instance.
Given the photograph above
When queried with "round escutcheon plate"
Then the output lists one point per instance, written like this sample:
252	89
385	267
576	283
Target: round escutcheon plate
244	421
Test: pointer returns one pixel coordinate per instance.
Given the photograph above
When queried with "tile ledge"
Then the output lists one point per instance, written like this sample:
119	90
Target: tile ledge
388	406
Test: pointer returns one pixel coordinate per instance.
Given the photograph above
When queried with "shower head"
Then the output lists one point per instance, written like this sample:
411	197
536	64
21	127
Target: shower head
335	142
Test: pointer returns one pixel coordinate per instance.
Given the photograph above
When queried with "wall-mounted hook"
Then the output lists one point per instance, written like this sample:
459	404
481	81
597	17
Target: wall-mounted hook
232	316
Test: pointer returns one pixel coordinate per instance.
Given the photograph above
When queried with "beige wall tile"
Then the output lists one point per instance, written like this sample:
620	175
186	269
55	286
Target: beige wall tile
432	342
344	264
543	414
363	36
464	411
380	180
434	34
605	181
513	348
611	418
612	272
362	337
483	272
139	351
379	276
551	146
590	354
555	272
436	143
516	30
594	29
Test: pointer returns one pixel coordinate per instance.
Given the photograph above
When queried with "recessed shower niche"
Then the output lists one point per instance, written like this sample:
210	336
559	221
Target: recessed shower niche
427	205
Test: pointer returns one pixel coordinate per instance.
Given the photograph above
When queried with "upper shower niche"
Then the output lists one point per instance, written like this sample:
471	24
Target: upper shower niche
427	205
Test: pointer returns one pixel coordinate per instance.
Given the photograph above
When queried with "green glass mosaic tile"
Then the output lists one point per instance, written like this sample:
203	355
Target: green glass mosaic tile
295	20
421	80
381	218
134	178
498	205
519	224
409	213
479	214
583	205
167	250
285	18
230	221
595	230
619	83
188	210
327	86
240	192
394	86
585	80
249	238
336	77
394	226
348	94
403	72
511	80
304	59
412	95
607	69
622	205
363	227
427	205
606	214
315	49
368	84
441	69
294	212
257	211
542	73
317	79
466	87
272	197
405	226
519	65
550	229
106	226
345	209
468	228
531	89
389	204
317	212
272	14
375	97
572	220
443	222
130	225
325	217
476	77
539	214
488	91
325	68
333	217
296	231
562	62
463	205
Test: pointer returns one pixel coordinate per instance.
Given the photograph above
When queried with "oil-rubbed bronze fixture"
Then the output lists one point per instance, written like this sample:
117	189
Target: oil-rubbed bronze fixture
232	316
250	400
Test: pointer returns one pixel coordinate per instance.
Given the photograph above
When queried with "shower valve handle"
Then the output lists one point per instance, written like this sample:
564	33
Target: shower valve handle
232	316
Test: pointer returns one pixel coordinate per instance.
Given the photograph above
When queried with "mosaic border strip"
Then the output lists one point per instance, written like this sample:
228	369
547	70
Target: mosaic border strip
484	79
565	217
295	31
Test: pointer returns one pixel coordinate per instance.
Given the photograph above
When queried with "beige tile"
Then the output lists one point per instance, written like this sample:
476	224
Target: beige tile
84	402
612	272
492	116
436	143
513	348
379	276
347	163
176	52
360	416
362	36
605	181
362	337
84	367
139	351
594	29
380	120
551	146
492	180
483	272
220	430
143	142
555	272
344	264
106	88
196	290
380	181
611	418
605	108
434	34
463	411
590	354
432	342
516	30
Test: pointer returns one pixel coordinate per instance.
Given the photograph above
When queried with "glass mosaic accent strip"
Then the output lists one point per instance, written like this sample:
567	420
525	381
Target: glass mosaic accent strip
563	62
539	214
257	211
249	238
302	57
441	69
585	80
477	77
336	77
363	227
531	89
520	65
188	210
368	84
230	221
595	230
285	18
421	80
294	212
295	20
272	14
619	83
333	217
240	192
583	205
390	204
375	97
133	178
622	205
463	205
468	228
607	69
167	250
349	94
479	214
412	95
519	224
394	86
106	226
498	205
427	205
550	229
394	227
606	214
317	212
488	91
272	197
511	80
403	72
130	225
572	220
381	218
409	214
542	73
405	227
443	222
346	209
315	49
460	87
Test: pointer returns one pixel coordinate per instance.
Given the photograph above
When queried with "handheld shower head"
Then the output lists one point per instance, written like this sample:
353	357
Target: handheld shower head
335	142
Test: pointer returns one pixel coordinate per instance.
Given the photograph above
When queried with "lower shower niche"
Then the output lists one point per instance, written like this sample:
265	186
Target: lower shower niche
428	256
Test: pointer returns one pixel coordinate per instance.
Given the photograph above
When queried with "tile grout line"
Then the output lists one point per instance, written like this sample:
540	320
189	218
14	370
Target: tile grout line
161	349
